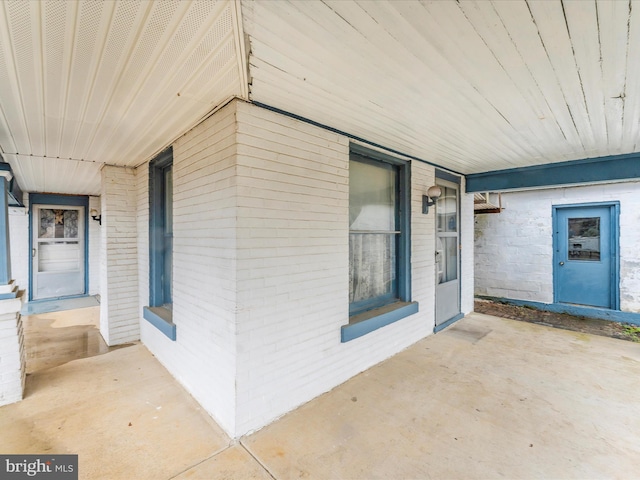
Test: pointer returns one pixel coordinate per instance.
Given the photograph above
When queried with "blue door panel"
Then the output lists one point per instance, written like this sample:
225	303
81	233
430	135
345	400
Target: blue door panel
583	265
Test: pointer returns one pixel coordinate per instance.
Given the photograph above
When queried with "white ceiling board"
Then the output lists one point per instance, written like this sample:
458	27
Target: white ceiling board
110	81
71	177
473	86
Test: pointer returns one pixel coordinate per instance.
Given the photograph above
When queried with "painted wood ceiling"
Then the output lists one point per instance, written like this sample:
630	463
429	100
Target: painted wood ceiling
83	83
473	86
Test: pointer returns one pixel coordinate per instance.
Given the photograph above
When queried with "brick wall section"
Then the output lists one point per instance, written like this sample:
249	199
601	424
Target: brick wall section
119	319
514	249
261	266
293	201
12	353
204	265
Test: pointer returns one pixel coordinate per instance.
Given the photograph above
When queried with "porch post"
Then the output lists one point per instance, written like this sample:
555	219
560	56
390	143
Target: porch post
12	354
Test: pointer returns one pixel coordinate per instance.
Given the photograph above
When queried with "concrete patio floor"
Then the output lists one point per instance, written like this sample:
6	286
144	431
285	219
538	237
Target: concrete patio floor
485	398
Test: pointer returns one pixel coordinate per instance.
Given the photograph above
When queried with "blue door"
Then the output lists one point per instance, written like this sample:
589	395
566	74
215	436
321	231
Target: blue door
584	257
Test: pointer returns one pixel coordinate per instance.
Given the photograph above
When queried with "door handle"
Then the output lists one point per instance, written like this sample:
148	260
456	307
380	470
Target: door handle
33	252
561	263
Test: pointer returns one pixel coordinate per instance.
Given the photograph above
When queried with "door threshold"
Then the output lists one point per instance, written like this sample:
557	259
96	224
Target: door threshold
451	321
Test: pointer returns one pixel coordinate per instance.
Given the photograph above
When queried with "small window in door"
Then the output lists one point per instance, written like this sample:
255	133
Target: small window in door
584	239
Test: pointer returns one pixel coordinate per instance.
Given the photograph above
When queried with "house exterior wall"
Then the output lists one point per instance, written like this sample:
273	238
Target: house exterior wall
514	249
204	249
261	249
118	268
293	247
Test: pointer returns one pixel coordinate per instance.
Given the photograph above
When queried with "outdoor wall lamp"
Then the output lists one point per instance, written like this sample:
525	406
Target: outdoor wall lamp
95	216
430	198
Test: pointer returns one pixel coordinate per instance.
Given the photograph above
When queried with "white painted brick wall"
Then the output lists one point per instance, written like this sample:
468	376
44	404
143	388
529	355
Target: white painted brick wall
12	353
204	293
119	320
514	250
261	267
293	201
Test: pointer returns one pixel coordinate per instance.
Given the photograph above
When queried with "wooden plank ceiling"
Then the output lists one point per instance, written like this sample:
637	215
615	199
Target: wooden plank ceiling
85	83
473	86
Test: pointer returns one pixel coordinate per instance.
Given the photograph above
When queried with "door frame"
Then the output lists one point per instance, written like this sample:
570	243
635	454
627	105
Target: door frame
614	242
456	180
62	200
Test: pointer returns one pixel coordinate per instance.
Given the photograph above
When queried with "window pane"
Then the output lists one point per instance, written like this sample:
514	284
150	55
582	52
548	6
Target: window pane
168	200
447	258
58	223
372	266
446	208
584	239
372	197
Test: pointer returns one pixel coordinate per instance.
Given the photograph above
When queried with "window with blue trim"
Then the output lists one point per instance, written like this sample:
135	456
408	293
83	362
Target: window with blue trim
159	312
379	272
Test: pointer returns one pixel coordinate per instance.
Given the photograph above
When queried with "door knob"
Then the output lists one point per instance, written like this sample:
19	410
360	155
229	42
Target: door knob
561	263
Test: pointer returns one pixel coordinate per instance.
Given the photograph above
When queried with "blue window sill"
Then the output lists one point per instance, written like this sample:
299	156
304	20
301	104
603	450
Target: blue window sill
162	319
366	322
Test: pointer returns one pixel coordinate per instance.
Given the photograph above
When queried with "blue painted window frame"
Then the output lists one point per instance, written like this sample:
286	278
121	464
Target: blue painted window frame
62	200
402	288
614	219
157	312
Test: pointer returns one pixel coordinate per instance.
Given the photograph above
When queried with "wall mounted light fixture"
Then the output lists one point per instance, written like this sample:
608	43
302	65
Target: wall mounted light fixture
95	216
428	200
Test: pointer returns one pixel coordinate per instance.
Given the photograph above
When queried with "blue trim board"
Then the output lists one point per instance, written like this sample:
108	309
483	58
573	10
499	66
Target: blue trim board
63	200
442	175
355	330
576	310
589	170
451	321
160	318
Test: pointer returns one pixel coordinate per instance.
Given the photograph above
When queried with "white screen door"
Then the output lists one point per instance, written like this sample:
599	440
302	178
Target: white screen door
58	267
447	248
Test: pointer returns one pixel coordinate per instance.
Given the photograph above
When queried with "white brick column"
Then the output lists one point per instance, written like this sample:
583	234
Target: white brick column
12	355
119	315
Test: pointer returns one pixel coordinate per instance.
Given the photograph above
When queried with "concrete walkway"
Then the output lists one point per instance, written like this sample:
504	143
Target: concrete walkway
486	398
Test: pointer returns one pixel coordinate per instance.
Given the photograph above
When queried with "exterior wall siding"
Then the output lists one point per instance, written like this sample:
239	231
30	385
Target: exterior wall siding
514	249
204	287
118	269
293	203
261	248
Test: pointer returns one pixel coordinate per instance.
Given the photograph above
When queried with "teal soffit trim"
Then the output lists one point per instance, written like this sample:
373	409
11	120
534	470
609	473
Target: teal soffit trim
589	170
